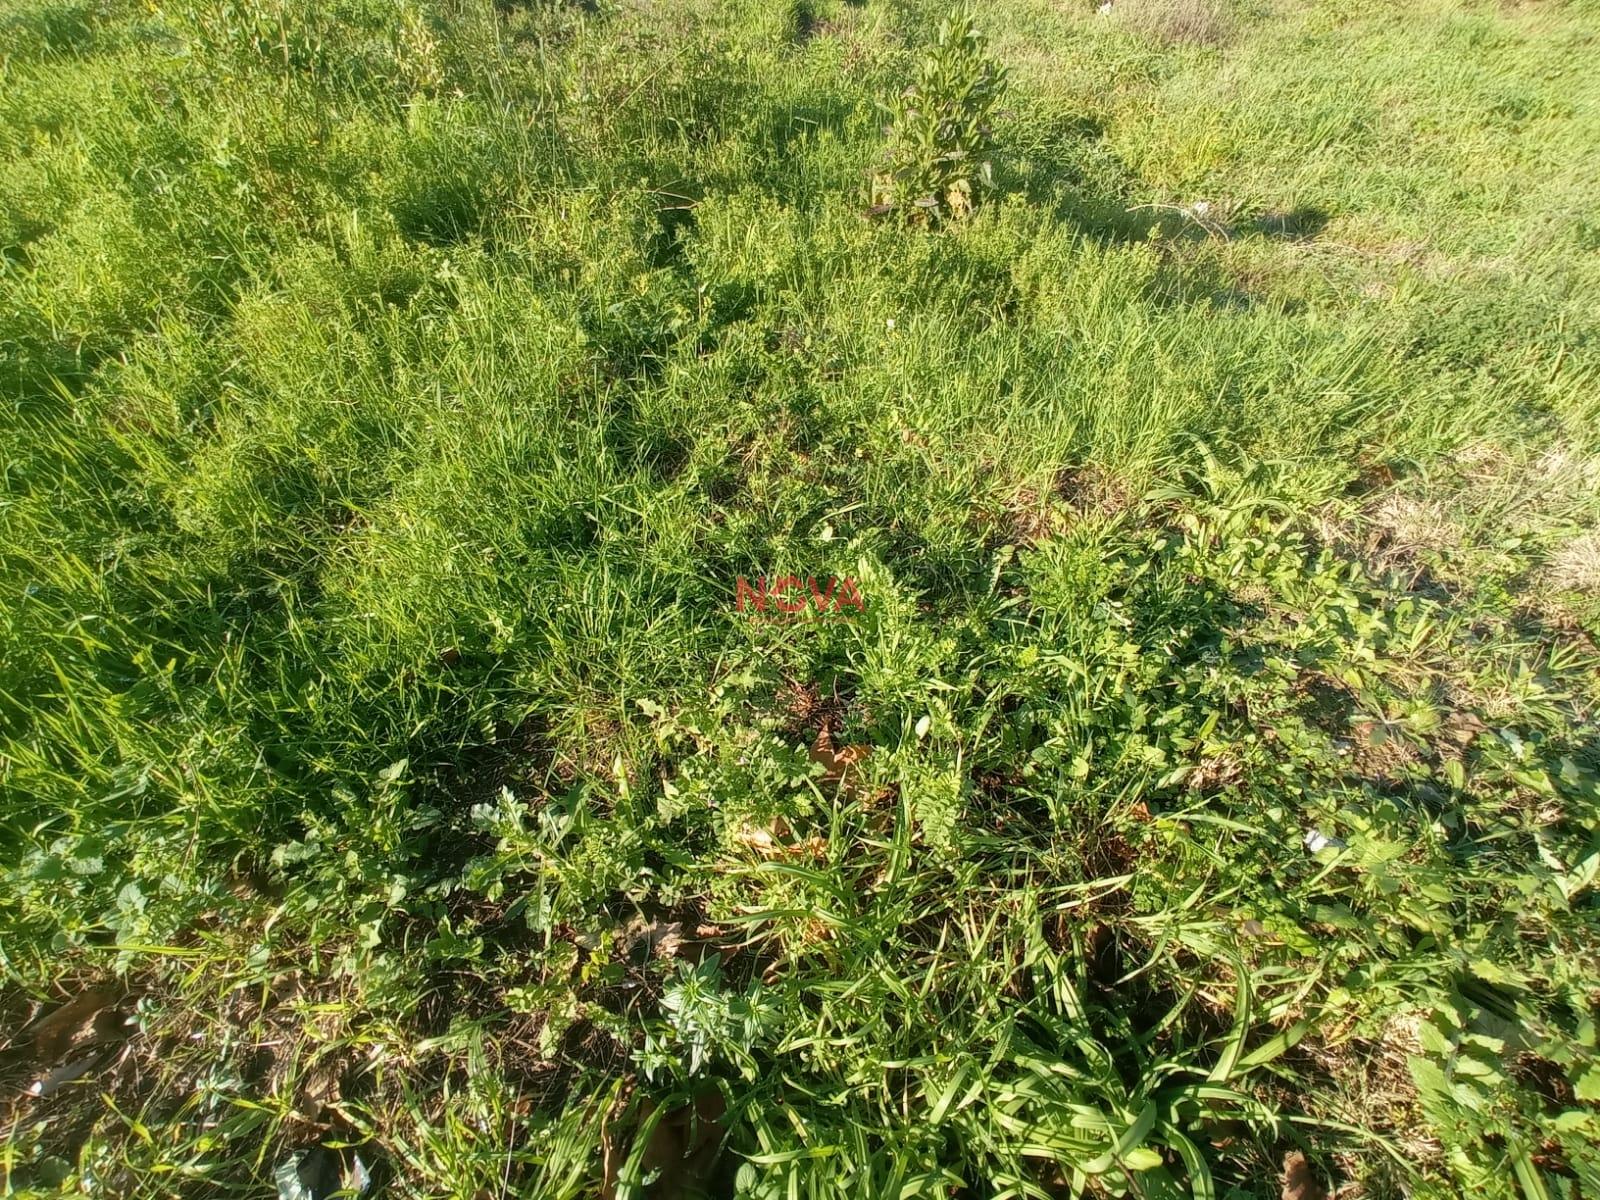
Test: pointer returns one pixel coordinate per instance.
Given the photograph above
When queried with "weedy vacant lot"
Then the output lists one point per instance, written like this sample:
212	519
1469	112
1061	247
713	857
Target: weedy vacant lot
1200	397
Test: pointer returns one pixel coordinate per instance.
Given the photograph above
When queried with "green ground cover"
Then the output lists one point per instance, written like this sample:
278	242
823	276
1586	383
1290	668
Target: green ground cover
1202	799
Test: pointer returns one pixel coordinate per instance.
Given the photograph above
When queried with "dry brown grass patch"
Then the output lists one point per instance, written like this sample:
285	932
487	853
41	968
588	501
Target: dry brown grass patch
1575	567
1373	1088
1177	22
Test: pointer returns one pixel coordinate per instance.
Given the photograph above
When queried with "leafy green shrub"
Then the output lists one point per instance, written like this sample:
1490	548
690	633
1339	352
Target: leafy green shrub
939	128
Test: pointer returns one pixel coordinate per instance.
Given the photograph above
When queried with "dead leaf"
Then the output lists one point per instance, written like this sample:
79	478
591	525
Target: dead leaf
763	841
1463	727
55	1033
320	1087
612	1151
838	766
773	843
815	848
1214	774
684	1145
680	1150
1298	1181
643	940
666	940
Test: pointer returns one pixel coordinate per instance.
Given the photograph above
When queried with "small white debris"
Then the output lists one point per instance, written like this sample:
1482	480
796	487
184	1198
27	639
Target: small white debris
1317	841
1105	8
61	1076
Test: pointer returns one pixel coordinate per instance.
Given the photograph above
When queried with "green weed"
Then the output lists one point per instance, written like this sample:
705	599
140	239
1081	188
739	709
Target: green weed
940	127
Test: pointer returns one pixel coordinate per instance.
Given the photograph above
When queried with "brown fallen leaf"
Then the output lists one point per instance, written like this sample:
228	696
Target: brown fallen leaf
320	1087
814	848
773	843
54	1033
764	842
680	1149
1298	1181
643	940
667	940
1214	774
1463	727
838	766
612	1149
1376	475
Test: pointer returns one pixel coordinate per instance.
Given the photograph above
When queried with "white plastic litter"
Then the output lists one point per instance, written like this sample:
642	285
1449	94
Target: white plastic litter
1317	841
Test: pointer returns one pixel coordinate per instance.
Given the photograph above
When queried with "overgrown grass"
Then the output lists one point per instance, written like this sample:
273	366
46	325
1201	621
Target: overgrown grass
395	396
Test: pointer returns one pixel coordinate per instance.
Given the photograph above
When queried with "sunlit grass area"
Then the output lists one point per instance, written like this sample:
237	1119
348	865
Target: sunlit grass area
1202	403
